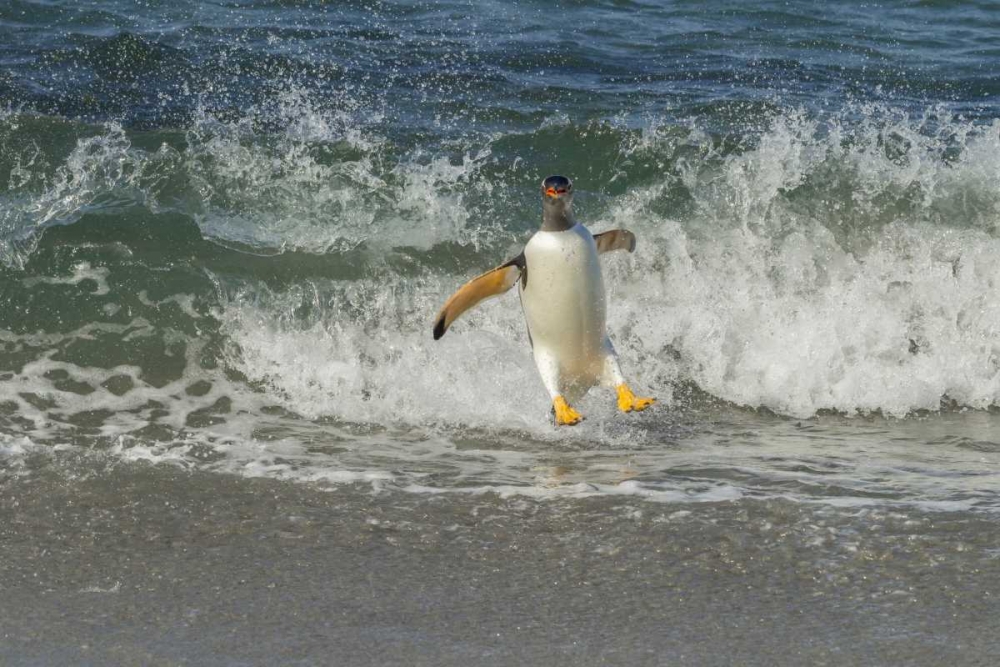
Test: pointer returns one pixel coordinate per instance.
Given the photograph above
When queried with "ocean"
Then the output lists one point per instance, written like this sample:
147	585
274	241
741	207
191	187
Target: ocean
227	436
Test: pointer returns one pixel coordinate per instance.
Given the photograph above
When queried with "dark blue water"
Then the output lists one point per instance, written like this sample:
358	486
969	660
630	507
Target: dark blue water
495	66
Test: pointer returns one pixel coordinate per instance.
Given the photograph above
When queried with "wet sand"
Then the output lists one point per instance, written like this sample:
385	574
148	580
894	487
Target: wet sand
144	565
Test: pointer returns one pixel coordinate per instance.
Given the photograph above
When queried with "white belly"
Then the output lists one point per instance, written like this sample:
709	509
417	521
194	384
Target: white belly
564	303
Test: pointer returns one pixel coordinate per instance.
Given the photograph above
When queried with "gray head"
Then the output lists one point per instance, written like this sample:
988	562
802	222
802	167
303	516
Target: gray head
557	204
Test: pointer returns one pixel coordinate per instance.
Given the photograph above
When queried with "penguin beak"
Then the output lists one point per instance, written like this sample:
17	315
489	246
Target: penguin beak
552	192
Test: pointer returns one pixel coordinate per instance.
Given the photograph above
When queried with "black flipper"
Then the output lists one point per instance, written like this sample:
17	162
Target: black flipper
616	239
490	284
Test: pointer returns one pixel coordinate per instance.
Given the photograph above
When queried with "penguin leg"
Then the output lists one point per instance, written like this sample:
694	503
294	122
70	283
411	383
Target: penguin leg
548	368
627	401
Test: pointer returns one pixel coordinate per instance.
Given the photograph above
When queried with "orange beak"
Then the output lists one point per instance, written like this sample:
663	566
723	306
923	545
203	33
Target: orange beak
551	192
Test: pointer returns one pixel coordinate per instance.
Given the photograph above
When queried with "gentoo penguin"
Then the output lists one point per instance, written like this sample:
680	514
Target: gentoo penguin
562	296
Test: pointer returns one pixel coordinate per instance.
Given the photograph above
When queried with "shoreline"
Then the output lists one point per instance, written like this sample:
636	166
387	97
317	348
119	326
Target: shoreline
154	565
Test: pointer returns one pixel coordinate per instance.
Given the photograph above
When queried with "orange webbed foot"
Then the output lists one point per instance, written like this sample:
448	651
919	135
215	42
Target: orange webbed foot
565	415
629	402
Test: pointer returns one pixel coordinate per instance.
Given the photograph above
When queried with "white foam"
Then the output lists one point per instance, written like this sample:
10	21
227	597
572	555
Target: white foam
381	364
184	301
587	490
81	271
15	447
46	392
115	588
768	306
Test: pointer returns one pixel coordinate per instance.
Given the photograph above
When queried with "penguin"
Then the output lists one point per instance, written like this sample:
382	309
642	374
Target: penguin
562	296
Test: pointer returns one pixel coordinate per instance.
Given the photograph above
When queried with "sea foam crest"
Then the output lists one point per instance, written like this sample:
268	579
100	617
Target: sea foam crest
97	167
815	270
325	182
820	272
291	175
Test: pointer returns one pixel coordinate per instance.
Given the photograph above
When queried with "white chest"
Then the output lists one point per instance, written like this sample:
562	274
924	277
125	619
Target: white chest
564	299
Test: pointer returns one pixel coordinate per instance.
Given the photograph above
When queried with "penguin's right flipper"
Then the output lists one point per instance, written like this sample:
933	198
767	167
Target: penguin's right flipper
491	283
616	239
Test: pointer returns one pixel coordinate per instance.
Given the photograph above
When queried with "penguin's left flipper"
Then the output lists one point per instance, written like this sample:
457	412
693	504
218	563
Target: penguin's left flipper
616	239
491	283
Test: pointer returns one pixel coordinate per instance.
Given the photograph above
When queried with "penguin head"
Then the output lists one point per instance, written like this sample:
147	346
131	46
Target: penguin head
557	193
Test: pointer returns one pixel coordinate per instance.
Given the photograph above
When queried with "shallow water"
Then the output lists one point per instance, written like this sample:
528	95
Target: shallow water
152	565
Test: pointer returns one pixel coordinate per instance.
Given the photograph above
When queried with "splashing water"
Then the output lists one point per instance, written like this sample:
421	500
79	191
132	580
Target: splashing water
821	265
